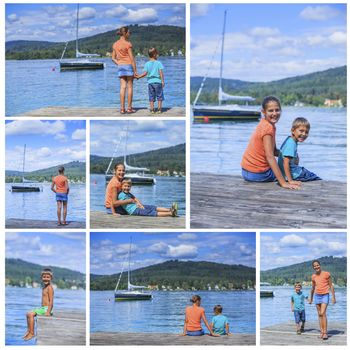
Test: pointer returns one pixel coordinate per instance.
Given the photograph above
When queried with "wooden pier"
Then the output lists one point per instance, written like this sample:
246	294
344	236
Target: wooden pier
220	201
25	223
103	220
285	334
86	112
168	339
63	328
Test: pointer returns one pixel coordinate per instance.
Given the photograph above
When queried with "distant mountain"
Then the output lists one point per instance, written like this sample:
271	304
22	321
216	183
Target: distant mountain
164	38
169	158
73	170
182	274
18	272
303	271
310	89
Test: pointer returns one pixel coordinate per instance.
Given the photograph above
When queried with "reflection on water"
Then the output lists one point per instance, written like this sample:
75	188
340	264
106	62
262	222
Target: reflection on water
165	312
279	307
218	148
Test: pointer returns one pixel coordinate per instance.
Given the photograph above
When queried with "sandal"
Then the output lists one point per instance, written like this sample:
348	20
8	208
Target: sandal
130	110
122	111
325	336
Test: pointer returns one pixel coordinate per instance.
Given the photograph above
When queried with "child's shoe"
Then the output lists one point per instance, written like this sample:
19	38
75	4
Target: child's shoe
299	332
159	111
152	111
302	329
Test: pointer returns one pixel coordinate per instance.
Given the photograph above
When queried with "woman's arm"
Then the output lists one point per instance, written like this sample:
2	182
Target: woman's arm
312	292
269	147
332	290
208	325
131	55
185	325
114	56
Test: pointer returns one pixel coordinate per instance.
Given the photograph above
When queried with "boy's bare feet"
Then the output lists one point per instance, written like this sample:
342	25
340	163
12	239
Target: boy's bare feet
29	336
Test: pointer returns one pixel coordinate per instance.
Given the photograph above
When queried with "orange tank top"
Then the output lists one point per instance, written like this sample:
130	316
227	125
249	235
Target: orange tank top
194	315
254	157
121	48
113	183
60	183
321	282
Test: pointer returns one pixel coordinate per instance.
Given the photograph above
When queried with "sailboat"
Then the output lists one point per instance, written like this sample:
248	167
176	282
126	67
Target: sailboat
133	292
137	175
208	113
80	63
23	187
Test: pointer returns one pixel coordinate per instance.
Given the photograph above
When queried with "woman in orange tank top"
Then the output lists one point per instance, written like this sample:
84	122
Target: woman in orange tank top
123	57
321	284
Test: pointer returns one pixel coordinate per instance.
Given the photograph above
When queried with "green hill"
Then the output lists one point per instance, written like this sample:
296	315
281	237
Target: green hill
170	158
18	272
303	271
164	37
75	171
310	89
183	274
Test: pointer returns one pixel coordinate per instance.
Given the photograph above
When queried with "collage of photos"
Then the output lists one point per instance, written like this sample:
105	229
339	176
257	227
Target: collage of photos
175	174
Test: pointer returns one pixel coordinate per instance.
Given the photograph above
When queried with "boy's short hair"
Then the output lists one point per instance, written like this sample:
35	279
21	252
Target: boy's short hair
47	271
152	52
127	181
300	122
297	284
218	309
61	169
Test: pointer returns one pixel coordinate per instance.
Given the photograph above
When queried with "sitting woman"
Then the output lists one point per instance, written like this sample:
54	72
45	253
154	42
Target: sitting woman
193	316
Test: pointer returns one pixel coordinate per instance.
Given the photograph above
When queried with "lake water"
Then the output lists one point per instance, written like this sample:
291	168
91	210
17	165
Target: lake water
165	312
42	205
278	310
21	300
218	148
34	84
166	191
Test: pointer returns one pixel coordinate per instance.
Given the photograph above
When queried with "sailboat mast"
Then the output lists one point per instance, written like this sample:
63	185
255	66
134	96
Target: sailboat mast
129	265
24	160
222	56
77	33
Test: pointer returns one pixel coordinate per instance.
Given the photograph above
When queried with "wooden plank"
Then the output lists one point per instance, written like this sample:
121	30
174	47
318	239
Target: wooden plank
285	334
100	338
86	112
26	223
63	328
103	220
220	201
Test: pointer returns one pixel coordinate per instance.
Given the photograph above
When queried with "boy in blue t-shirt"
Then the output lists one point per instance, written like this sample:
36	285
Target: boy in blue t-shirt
155	78
219	323
298	307
288	159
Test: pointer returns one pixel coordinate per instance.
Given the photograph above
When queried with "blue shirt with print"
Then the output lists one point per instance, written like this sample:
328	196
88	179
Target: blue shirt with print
219	324
289	149
299	301
129	208
152	69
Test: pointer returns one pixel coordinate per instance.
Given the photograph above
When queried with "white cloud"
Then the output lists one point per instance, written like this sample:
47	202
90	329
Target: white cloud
198	10
34	127
338	38
117	11
79	134
146	15
182	251
43	152
319	13
292	241
187	236
12	18
87	13
264	31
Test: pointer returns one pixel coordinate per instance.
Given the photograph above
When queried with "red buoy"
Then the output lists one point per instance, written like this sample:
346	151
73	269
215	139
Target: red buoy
206	119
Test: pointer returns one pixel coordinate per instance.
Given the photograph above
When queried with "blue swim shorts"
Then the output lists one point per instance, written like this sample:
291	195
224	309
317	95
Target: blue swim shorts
61	197
150	210
125	70
266	176
195	333
119	210
155	91
307	175
299	316
321	298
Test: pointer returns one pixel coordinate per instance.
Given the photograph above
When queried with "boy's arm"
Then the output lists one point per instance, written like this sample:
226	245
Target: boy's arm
286	167
332	289
161	76
292	304
141	75
227	326
50	294
269	147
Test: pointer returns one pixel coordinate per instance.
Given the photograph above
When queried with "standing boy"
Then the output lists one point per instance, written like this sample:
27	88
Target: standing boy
298	307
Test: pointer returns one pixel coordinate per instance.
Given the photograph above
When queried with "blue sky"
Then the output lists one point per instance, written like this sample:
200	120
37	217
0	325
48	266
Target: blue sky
109	249
266	42
142	136
48	143
282	249
56	22
60	249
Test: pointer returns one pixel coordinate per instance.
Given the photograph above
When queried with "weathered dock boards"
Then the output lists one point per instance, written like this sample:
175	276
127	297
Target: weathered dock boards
63	328
168	339
285	334
102	220
25	223
86	112
230	202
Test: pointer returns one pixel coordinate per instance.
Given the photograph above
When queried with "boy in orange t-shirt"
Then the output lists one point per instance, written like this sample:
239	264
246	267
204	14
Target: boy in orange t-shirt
61	188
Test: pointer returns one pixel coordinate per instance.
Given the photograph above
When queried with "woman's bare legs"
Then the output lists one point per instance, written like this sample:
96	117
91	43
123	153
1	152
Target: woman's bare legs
130	81
123	84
